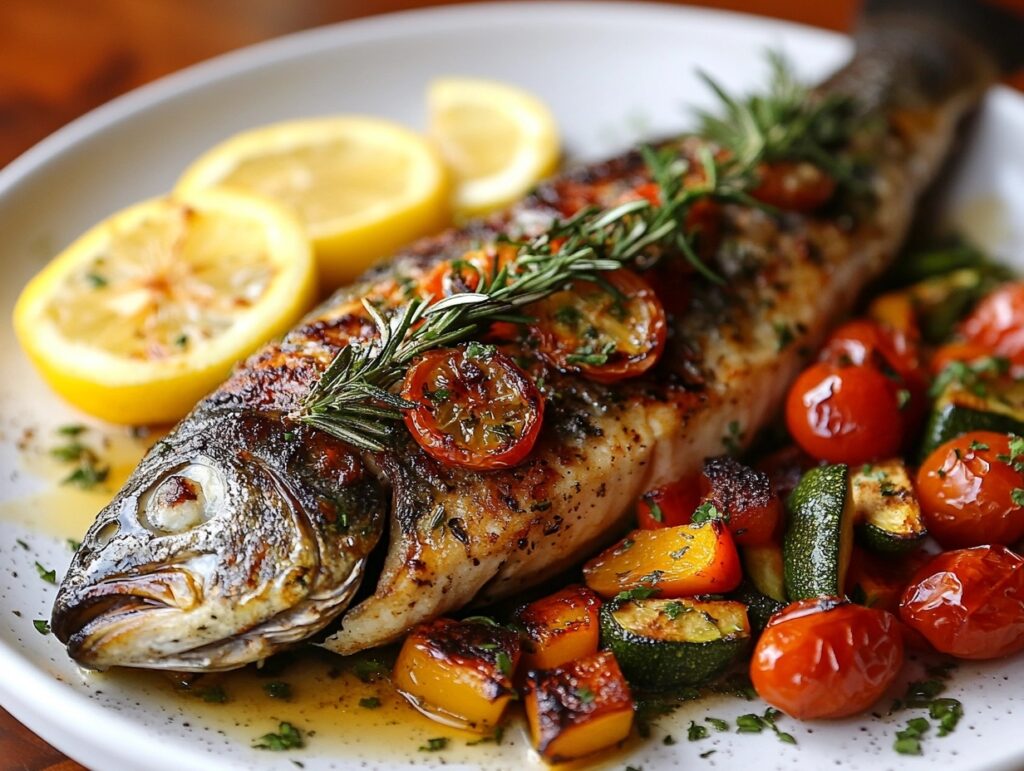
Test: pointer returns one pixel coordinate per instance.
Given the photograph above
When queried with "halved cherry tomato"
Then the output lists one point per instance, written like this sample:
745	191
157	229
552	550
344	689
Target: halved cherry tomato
798	186
845	414
826	658
474	407
969	490
997	323
745	496
465	275
668	506
867	342
606	330
969	603
957	351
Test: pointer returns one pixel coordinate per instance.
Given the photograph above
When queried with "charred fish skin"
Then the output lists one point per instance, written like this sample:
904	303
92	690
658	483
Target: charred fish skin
236	537
244	532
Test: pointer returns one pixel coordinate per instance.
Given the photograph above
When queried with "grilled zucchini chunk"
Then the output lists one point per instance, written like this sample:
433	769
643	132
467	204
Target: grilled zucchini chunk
887	514
560	628
578	708
819	536
669	562
992	402
459	672
663	644
764	567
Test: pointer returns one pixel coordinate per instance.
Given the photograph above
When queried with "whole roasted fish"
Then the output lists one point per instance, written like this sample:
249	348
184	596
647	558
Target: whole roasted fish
245	530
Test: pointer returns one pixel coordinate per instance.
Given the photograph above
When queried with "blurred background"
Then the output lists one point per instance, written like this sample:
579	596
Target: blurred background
61	58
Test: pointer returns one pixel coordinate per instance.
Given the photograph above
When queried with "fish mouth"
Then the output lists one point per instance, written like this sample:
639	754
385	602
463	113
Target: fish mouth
104	616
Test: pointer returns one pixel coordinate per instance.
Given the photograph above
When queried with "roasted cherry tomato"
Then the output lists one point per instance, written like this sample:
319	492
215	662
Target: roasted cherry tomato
969	490
466	275
606	330
826	658
969	603
474	407
845	414
801	186
668	506
997	323
957	351
869	343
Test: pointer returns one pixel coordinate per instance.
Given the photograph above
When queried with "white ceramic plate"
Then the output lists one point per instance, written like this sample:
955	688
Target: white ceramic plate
613	73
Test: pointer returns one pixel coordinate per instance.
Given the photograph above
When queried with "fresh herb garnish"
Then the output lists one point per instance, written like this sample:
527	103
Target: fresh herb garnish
504	663
42	626
696	732
675	609
707	512
50	576
585	695
717	723
971	376
636	593
752	723
73	544
214	694
288	737
369	702
1017	496
908	741
435	745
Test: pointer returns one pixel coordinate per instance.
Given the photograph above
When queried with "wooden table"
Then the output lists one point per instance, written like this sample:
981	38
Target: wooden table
61	58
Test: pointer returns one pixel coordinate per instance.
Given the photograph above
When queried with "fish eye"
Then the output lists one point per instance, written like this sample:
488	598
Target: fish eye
181	501
105	534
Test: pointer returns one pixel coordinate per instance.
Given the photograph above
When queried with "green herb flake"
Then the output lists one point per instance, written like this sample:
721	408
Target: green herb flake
636	593
654	510
42	626
902	398
675	609
717	723
696	732
1017	496
215	694
504	663
71	429
278	690
908	741
435	745
707	512
288	737
669	740
585	695
50	576
73	544
21	543
370	702
749	724
948	712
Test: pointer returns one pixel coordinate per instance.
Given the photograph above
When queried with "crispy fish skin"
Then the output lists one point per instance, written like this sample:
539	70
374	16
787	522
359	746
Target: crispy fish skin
243	532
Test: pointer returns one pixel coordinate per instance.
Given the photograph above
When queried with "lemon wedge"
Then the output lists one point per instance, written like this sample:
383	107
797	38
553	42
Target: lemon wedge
149	310
498	140
362	187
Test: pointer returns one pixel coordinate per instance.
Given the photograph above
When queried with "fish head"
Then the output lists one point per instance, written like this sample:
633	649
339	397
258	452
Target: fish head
236	536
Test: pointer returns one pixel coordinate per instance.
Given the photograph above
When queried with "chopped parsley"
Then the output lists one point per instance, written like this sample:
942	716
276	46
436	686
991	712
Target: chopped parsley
369	702
669	740
636	593
696	732
74	545
215	694
752	723
675	609
287	737
435	745
706	512
585	695
717	723
783	335
978	446
50	576
41	625
924	694
476	350
504	663
653	509
95	280
87	476
970	375
1017	496
71	429
908	741
902	398
369	669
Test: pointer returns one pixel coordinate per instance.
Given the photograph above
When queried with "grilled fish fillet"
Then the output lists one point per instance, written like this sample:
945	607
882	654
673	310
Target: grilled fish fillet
244	532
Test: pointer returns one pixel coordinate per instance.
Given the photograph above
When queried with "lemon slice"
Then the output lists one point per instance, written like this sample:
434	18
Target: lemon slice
498	140
362	187
148	311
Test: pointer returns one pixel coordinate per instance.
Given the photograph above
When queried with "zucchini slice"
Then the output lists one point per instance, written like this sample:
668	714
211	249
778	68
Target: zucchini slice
763	565
671	643
760	607
993	403
819	537
887	514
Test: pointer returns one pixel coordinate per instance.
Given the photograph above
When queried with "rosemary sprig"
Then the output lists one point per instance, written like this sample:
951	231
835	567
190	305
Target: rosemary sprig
788	122
354	397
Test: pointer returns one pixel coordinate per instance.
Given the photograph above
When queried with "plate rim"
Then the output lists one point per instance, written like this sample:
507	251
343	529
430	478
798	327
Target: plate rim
121	742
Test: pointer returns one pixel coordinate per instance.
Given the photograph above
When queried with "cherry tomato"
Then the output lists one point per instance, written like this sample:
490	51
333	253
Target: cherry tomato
474	407
997	323
957	351
867	342
826	658
745	496
668	506
465	275
607	331
967	489
801	187
845	414
969	603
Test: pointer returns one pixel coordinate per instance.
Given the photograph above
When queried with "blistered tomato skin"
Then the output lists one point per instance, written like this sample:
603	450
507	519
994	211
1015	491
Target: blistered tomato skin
966	490
969	603
826	658
997	323
845	414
